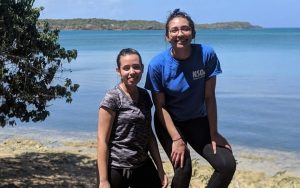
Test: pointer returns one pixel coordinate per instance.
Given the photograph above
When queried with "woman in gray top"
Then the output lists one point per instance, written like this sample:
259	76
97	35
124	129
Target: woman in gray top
124	131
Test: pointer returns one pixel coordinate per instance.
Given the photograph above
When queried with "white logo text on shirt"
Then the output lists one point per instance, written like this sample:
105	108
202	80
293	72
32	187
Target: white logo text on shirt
198	74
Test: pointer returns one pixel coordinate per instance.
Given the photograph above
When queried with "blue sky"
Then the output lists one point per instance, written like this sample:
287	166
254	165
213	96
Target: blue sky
266	13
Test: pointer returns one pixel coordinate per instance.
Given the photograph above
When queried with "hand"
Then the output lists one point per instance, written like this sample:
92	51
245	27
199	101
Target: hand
104	184
163	178
177	155
218	139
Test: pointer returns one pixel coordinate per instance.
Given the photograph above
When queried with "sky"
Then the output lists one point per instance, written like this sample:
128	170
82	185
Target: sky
265	13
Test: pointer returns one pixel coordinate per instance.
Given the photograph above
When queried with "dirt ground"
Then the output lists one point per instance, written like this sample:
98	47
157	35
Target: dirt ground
26	162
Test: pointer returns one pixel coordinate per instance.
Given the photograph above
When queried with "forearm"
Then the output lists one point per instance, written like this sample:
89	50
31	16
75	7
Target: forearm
154	152
168	123
217	138
164	116
102	160
105	121
211	107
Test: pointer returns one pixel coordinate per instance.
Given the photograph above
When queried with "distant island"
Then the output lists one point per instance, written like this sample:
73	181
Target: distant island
107	24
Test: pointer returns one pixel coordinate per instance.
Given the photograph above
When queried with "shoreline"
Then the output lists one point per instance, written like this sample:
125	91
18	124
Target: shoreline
46	159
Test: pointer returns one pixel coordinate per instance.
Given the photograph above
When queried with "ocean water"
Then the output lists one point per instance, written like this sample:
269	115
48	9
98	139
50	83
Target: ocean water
258	93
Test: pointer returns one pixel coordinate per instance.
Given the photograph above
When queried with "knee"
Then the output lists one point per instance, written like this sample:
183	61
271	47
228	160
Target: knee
231	166
228	166
186	171
223	161
182	176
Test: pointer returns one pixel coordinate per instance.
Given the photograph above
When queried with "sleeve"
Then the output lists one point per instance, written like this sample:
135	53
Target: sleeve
148	104
154	78
212	64
110	100
148	99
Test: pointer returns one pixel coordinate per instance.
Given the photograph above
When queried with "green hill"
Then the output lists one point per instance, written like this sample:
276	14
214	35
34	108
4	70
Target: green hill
107	24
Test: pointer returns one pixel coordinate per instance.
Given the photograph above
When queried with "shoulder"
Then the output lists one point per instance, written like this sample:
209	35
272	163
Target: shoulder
143	92
145	96
112	99
160	58
113	93
112	96
206	49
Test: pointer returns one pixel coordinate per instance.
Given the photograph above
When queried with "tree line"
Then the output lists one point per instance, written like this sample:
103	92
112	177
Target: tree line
108	24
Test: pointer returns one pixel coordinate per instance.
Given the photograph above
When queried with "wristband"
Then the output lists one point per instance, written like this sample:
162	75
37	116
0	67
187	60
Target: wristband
177	139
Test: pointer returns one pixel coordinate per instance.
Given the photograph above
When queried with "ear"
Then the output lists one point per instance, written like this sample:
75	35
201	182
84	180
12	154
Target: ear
118	71
142	67
194	34
167	38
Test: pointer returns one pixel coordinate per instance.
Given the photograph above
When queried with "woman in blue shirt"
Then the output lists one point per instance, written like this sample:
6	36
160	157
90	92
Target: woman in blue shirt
182	80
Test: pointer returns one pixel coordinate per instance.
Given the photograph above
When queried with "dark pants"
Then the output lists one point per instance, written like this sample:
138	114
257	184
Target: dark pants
145	176
196	133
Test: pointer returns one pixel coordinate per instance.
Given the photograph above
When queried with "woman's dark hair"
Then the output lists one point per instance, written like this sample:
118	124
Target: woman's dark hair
128	51
177	13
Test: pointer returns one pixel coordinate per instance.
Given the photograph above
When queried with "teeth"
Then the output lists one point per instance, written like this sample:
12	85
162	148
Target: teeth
182	40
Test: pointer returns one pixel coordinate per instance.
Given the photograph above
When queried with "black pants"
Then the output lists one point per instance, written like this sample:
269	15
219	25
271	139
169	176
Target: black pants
145	176
196	133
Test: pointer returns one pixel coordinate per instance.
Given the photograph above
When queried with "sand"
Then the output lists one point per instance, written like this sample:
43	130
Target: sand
35	160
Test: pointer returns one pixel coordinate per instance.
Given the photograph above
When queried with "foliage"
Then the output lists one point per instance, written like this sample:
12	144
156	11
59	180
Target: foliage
103	24
107	24
30	59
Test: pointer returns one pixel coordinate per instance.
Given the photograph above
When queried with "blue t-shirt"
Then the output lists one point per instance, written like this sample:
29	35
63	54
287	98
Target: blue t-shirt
183	81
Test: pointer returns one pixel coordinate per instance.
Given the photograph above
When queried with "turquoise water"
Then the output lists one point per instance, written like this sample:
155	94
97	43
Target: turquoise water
258	92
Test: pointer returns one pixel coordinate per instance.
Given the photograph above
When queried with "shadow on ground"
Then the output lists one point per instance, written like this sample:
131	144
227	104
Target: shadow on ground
47	170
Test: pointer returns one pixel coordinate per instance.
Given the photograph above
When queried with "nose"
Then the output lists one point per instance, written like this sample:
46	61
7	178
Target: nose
131	70
180	32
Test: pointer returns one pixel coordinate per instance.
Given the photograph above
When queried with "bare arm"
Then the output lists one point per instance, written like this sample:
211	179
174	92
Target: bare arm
154	152
211	106
105	121
178	146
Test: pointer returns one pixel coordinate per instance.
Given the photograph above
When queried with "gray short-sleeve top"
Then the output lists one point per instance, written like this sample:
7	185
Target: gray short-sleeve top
131	129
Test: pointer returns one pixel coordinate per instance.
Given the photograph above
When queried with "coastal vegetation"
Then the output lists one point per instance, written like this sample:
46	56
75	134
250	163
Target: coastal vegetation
30	59
108	24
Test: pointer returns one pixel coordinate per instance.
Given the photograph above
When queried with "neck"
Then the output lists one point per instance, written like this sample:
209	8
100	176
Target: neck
181	53
130	91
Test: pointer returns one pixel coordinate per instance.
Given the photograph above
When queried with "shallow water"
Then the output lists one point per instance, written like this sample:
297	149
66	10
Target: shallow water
257	94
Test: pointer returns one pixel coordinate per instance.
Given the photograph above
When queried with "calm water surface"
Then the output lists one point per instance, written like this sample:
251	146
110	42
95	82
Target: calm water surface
258	92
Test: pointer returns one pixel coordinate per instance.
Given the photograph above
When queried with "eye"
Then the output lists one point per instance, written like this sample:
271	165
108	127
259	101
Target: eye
185	28
174	30
134	67
126	67
137	67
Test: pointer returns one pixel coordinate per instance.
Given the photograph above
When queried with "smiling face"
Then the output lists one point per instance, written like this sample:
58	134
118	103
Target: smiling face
179	32
130	69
